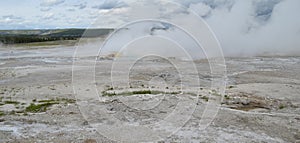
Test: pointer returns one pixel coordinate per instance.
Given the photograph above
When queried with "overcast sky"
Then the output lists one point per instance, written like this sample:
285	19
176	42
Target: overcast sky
28	14
272	25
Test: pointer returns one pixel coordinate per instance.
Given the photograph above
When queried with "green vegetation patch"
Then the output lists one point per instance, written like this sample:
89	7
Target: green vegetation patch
108	94
281	106
2	113
105	93
205	98
35	108
65	100
231	86
226	97
142	92
42	105
48	100
12	102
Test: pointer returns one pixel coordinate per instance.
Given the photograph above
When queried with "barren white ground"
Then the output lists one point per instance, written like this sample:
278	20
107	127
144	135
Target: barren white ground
261	103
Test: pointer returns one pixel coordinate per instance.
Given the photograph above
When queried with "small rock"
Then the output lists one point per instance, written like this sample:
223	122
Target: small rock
85	123
244	101
90	141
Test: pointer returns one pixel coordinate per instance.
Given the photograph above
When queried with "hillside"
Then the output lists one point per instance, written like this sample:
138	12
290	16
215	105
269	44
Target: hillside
28	36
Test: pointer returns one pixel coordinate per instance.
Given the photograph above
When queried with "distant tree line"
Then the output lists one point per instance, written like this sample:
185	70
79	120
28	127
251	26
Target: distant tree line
53	35
14	39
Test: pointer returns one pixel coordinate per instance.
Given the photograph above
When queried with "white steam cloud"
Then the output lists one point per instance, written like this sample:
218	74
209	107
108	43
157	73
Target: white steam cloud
243	27
250	28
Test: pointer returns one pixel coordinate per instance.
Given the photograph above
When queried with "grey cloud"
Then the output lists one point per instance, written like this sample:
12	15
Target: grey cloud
110	4
219	3
70	9
261	10
48	17
49	3
264	9
204	8
81	5
75	7
44	9
11	19
201	9
211	3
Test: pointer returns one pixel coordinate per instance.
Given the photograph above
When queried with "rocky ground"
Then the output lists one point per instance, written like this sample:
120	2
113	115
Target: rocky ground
38	102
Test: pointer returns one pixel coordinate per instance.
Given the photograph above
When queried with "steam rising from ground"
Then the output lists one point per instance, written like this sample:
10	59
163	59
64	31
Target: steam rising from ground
243	27
250	28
